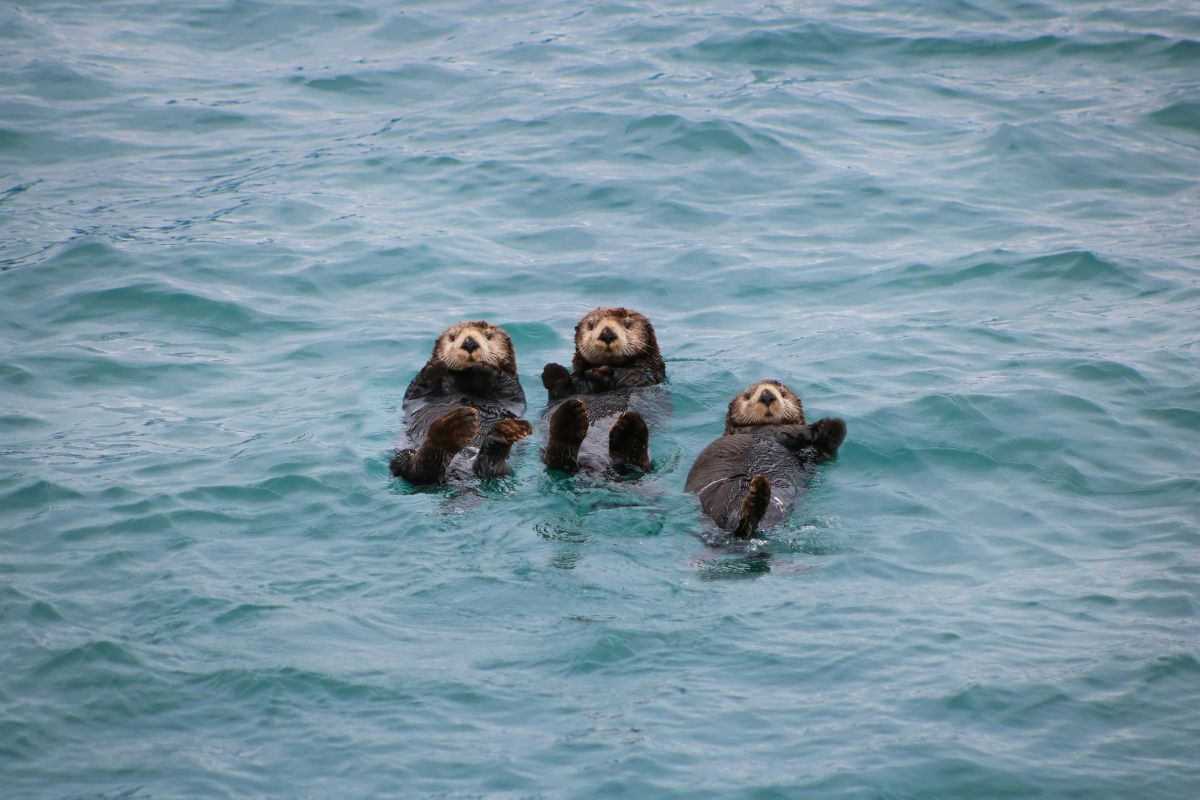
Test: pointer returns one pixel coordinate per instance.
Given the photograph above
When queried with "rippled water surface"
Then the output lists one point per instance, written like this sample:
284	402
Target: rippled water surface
229	232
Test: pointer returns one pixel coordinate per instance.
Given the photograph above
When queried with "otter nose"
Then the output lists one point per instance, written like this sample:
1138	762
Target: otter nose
470	345
607	336
766	398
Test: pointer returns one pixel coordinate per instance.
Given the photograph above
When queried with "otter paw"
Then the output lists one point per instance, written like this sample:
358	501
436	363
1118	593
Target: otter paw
828	435
554	375
482	371
455	429
795	438
568	427
557	381
510	430
599	379
628	443
569	423
401	462
754	506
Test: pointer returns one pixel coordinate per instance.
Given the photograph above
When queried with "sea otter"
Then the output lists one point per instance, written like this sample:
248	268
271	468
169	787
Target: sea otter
750	476
467	399
593	422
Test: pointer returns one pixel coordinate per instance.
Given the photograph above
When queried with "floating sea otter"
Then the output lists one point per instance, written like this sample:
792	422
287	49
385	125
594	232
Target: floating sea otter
464	407
750	476
592	424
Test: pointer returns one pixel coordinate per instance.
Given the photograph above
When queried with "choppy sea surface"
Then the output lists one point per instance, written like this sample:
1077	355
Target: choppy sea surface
229	232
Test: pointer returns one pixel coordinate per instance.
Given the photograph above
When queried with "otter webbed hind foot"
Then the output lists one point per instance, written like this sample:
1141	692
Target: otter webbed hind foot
448	434
827	436
754	506
568	427
629	443
492	461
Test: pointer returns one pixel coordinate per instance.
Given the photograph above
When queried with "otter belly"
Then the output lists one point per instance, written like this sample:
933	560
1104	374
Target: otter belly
419	415
603	410
721	476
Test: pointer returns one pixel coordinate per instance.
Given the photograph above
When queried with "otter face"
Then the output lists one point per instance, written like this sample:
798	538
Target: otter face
765	403
468	343
613	336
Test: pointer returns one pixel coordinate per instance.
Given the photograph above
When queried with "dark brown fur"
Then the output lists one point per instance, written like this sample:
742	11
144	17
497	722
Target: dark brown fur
738	475
451	406
599	387
644	368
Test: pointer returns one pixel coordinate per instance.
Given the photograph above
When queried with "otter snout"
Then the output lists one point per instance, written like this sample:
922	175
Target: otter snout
607	336
767	398
470	345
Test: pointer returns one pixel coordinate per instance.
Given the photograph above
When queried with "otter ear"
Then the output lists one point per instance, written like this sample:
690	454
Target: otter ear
510	361
729	416
729	409
651	341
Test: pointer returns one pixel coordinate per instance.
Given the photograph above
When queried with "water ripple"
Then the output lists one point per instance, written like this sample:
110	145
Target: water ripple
231	230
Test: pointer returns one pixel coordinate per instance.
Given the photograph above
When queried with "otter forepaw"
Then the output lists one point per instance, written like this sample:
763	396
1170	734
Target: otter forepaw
599	378
482	371
795	438
557	381
629	443
828	435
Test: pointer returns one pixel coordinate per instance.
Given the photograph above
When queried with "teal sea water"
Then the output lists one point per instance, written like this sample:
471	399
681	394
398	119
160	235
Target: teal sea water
229	232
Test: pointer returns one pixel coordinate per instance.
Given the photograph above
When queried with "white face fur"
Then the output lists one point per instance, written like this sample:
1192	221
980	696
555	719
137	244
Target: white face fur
469	343
610	336
766	403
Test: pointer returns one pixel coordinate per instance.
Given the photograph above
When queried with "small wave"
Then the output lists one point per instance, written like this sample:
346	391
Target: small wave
223	316
293	487
341	83
406	84
90	655
660	134
1052	155
54	80
1184	115
248	684
818	44
40	494
244	612
1081	267
408	27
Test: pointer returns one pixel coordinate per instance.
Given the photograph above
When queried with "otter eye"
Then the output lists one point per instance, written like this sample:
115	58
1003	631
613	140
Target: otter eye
627	321
745	395
490	336
591	326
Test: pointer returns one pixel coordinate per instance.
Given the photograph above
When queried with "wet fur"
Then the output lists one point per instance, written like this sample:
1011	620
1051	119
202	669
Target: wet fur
616	354
463	401
750	476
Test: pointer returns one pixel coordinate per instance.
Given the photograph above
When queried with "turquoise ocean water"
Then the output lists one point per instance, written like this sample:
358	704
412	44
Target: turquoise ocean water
230	230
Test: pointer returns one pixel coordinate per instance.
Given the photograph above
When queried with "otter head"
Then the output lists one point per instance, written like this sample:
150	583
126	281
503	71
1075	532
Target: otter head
469	343
764	403
614	336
